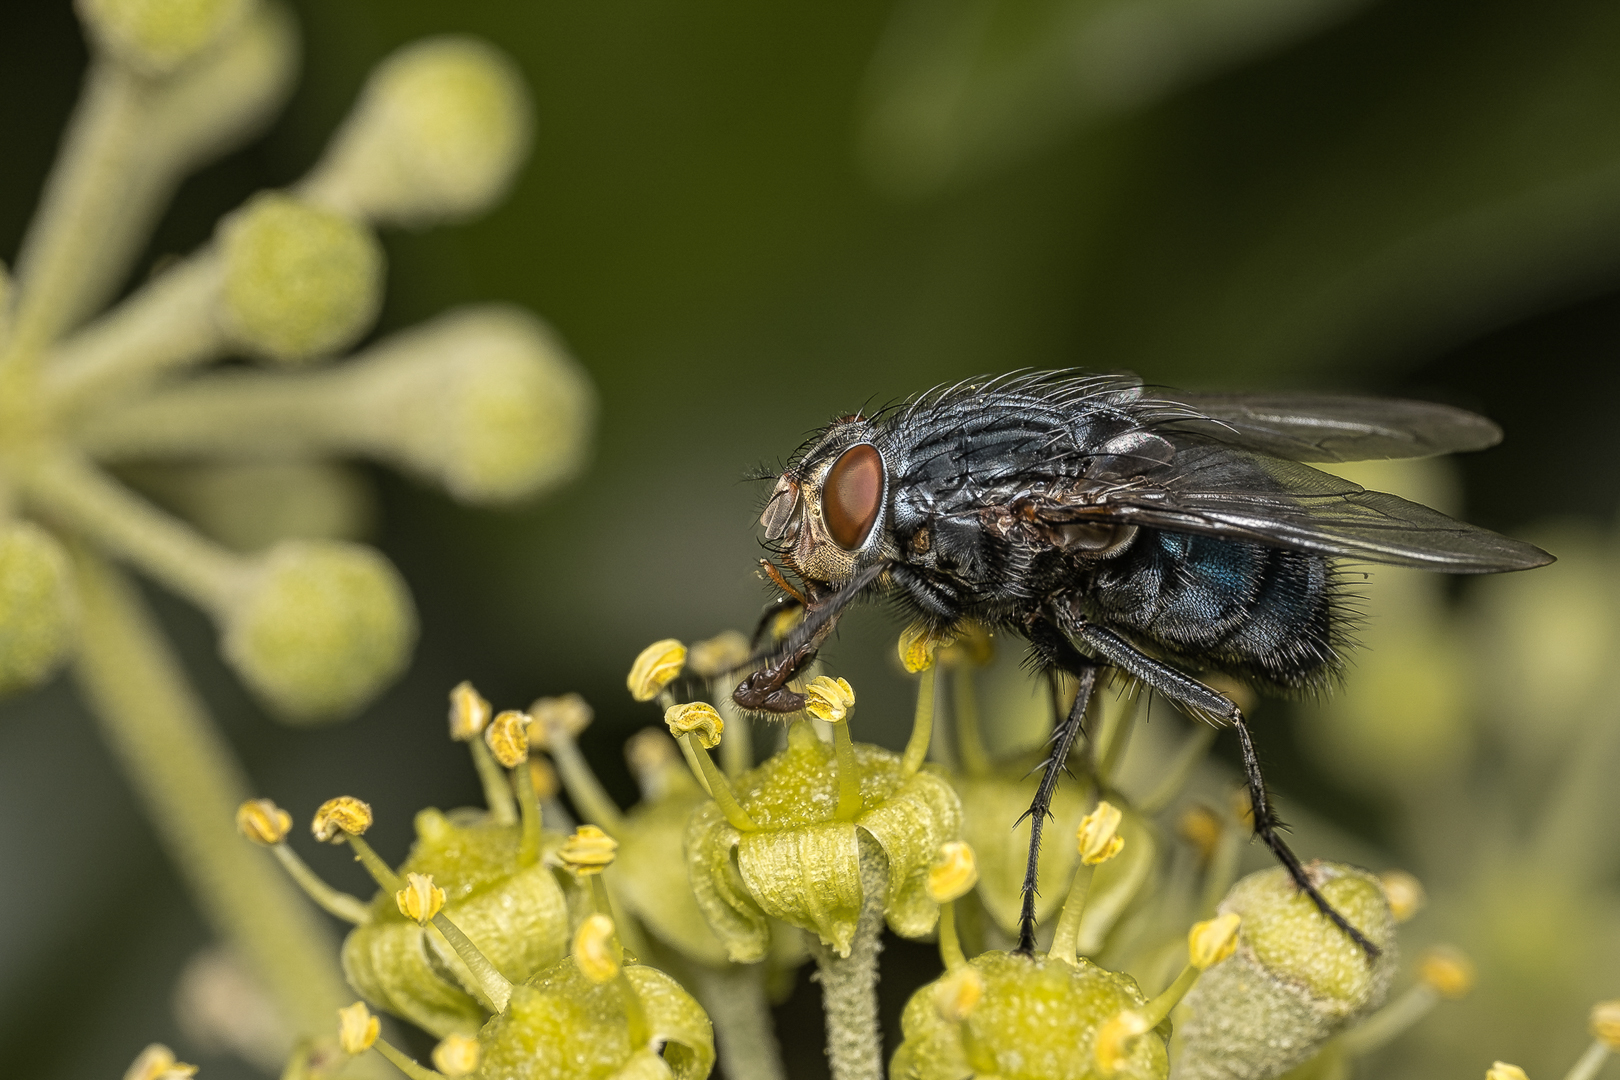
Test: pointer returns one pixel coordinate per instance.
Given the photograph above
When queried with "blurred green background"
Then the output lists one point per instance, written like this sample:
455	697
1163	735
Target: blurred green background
746	218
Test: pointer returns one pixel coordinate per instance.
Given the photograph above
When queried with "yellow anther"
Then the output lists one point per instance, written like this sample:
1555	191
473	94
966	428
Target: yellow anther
1098	835
1116	1037
588	851
829	699
420	899
954	873
696	717
508	737
1404	893
543	777
719	655
919	643
957	993
263	822
593	949
357	1028
157	1062
469	713
344	814
1202	828
649	752
655	668
456	1056
1501	1070
1447	970
1210	942
569	714
783	622
1605	1023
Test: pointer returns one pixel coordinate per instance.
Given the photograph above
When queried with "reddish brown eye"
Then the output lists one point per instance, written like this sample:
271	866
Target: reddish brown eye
852	495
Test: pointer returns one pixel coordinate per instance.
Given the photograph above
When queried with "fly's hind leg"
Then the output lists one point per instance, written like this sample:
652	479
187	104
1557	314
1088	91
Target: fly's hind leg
1189	691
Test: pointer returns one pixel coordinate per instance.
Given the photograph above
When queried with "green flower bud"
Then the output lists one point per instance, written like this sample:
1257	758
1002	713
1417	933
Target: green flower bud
517	916
37	606
1008	1030
301	282
438	134
485	400
321	628
802	865
155	37
561	1026
1295	979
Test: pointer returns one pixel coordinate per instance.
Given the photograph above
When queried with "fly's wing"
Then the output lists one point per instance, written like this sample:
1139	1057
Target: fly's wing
1216	490
1326	427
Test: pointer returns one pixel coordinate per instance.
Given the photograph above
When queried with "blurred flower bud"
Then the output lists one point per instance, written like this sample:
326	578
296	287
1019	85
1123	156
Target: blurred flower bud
456	1056
953	874
322	628
438	133
1098	835
655	667
470	712
1210	942
344	814
719	655
570	713
357	1028
696	718
155	37
653	759
38	611
972	644
1447	970
1202	828
593	949
1605	1023
420	899
1008	1030
508	737
1404	893
918	644
1501	1070
588	851
301	282
543	777
1295	978
263	822
157	1062
829	699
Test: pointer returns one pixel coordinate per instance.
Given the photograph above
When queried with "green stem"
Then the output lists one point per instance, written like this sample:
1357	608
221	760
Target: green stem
191	785
950	946
849	983
1590	1062
1159	1008
1065	939
1384	1025
1223	867
737	748
922	724
1180	770
719	787
404	1063
493	986
690	752
734	998
348	908
383	874
1123	721
529	807
593	803
69	489
970	740
497	792
849	775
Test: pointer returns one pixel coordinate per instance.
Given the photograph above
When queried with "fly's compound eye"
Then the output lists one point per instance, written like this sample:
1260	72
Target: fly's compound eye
852	495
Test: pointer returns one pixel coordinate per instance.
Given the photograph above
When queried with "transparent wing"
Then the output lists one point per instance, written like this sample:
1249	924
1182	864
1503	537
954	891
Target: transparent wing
1327	427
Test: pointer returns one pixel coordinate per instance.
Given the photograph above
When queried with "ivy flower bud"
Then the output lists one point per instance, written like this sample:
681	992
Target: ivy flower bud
301	282
155	39
1501	1070
1210	942
1447	970
958	992
569	713
698	718
508	737
263	822
953	874
1098	834
829	699
593	949
1404	893
469	713
719	655
322	627
656	667
919	642
588	851
1605	1023
456	1056
420	899
344	814
357	1028
157	1062
38	611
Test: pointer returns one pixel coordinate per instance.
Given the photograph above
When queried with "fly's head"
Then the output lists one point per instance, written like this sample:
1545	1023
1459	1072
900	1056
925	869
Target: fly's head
829	509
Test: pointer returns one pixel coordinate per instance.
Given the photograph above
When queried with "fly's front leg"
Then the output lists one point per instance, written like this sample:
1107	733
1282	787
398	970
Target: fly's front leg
1183	688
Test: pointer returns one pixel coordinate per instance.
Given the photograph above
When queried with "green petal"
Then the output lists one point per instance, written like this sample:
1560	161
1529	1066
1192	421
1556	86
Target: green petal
650	876
989	804
910	826
808	877
717	887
